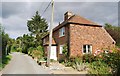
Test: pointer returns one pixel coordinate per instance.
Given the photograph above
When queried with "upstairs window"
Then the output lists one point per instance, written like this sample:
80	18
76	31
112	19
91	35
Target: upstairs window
62	32
87	49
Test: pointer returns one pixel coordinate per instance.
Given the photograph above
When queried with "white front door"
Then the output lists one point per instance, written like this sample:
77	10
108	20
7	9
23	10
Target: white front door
53	53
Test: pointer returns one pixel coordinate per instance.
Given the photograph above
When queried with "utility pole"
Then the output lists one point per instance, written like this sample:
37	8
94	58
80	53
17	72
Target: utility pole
50	35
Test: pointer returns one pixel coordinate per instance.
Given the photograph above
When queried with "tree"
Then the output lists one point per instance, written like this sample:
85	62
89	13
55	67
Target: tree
5	40
23	43
38	27
114	31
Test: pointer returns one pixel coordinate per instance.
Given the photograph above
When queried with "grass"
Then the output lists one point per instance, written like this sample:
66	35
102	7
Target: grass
4	61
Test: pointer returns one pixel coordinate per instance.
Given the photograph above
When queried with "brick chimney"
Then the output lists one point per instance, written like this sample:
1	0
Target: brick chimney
67	15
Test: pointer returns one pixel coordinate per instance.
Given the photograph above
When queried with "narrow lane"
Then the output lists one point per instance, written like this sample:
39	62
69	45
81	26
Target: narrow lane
23	64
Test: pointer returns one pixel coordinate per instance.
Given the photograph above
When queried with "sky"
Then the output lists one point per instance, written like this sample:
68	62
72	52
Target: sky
15	13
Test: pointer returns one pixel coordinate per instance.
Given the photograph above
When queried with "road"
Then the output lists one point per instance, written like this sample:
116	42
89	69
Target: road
23	64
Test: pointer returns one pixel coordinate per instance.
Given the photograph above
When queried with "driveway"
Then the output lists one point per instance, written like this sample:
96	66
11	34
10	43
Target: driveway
23	64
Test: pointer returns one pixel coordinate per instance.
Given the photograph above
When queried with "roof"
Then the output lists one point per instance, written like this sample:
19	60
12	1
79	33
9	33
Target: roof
76	19
81	20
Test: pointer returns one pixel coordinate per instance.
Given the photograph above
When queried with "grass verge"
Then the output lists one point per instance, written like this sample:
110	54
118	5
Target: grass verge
4	61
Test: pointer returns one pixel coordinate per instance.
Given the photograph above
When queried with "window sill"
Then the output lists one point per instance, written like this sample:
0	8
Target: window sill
62	36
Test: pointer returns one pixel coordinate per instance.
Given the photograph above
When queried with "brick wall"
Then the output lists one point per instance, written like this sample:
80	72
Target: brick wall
60	40
95	36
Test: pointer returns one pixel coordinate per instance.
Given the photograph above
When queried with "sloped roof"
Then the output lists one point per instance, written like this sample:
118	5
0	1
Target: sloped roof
76	19
81	20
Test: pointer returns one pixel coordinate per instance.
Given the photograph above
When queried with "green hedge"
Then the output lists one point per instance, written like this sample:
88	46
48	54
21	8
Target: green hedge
5	60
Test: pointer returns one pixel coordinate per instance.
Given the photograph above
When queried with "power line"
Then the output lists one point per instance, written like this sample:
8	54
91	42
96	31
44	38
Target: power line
46	8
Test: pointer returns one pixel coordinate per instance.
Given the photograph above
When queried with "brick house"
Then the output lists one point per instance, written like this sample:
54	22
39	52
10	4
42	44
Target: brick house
80	35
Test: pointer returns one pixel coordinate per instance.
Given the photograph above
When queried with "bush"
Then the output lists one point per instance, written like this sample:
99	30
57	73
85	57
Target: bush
30	50
5	60
40	48
99	67
112	60
78	64
19	49
89	58
36	53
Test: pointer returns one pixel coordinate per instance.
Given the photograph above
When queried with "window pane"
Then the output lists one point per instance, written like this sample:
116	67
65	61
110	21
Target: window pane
88	48
84	48
62	32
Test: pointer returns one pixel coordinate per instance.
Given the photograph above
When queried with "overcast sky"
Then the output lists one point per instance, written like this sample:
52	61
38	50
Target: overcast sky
14	15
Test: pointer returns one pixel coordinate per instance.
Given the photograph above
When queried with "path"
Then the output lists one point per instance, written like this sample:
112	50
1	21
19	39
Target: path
23	64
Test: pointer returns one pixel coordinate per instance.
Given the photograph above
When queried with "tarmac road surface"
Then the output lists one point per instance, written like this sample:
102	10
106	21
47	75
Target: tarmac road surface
23	64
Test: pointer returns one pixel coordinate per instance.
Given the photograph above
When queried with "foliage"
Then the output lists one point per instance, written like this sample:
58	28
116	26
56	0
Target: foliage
65	53
14	48
6	40
77	63
114	31
30	50
112	60
65	50
89	58
22	43
40	48
37	26
5	60
36	52
106	63
99	67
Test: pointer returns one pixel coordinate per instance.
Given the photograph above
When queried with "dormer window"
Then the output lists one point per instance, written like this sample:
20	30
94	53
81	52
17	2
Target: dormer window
62	32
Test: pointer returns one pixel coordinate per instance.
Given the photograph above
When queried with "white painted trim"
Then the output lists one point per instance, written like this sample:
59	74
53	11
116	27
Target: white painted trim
60	52
61	30
87	49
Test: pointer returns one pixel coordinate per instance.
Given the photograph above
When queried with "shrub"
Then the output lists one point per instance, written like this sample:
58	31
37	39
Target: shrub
5	60
30	50
112	60
65	52
40	48
78	64
99	67
36	53
19	49
89	58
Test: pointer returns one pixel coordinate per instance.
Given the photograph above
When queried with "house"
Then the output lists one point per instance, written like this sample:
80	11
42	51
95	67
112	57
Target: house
80	35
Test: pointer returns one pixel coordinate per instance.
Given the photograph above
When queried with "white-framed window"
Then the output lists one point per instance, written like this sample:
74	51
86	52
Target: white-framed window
62	32
87	49
61	49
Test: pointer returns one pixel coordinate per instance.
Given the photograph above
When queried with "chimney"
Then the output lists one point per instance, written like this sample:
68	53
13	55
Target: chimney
67	15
